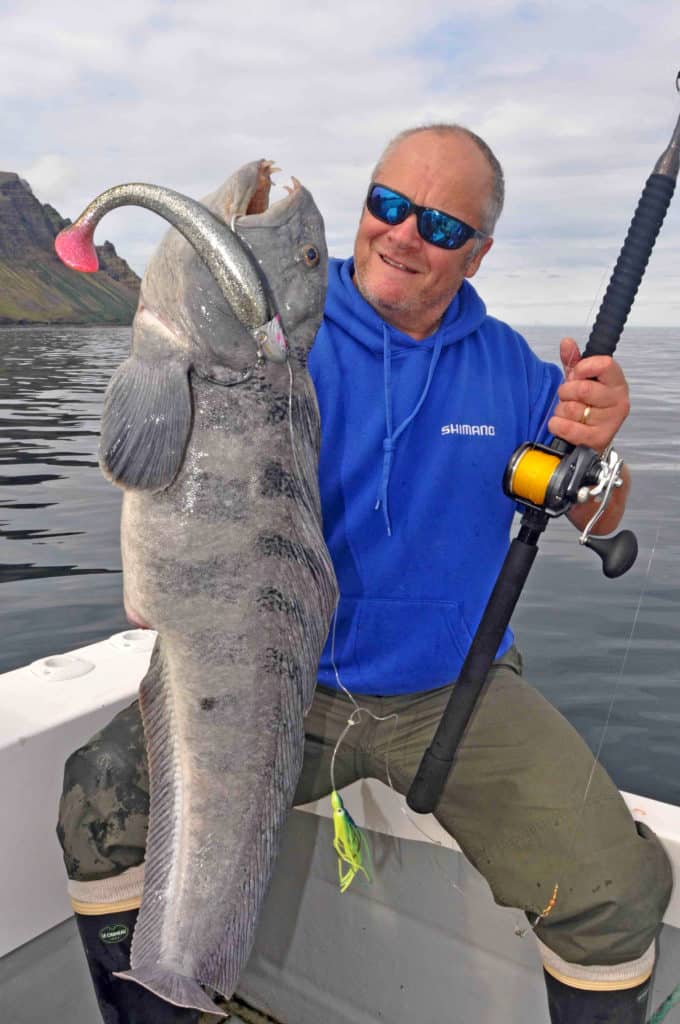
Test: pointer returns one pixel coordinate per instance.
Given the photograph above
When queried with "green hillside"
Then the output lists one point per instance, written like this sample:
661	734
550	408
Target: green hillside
35	287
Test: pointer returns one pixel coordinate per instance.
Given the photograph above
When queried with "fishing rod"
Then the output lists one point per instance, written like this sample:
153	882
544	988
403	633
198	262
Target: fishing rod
548	481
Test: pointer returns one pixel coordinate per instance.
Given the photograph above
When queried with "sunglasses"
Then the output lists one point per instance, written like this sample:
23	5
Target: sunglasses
434	226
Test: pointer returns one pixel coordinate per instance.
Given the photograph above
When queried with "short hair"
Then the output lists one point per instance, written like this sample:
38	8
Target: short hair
497	196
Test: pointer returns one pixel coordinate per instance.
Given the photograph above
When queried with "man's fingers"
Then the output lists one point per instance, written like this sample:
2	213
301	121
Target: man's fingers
569	356
592	392
577	412
602	368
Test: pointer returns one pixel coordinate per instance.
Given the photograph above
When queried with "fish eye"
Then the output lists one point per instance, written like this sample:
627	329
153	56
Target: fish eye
310	255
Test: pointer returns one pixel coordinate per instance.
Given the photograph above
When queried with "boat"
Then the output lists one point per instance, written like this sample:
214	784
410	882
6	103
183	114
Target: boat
422	942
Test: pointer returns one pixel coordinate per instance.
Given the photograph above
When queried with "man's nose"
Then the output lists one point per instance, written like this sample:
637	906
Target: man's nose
406	234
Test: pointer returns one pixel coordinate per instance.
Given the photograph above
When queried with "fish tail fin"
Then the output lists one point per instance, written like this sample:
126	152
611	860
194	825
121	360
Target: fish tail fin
173	988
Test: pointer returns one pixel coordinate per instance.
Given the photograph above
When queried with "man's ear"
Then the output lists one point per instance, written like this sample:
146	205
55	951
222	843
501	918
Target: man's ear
475	263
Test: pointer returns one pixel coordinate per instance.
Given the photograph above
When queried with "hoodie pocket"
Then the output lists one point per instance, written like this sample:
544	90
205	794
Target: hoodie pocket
408	645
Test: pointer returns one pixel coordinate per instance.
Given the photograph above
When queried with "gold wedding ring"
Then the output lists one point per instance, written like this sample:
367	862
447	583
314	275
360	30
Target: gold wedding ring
585	414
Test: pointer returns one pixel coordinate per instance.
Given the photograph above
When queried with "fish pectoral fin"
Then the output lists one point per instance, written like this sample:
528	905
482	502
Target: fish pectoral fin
146	423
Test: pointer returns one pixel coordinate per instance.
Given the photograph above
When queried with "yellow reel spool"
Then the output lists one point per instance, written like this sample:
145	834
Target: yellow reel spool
530	472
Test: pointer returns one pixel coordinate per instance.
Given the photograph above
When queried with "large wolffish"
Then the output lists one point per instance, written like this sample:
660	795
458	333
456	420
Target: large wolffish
223	554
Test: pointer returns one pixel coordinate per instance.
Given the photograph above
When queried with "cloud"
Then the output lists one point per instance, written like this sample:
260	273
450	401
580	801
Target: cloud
49	176
577	100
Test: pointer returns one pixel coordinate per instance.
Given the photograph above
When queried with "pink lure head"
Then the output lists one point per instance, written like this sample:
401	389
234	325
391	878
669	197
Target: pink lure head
75	247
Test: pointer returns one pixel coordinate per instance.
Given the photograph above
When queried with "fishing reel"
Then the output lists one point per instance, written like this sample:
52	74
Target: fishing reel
552	482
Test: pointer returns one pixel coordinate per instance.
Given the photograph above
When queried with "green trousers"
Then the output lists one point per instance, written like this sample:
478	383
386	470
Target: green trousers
525	802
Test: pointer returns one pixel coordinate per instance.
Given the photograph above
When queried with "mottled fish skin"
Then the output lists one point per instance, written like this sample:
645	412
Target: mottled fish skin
228	563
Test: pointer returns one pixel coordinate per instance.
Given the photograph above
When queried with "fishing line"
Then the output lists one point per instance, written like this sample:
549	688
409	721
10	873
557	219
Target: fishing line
291	430
354	719
597	300
521	931
617	685
358	709
293	439
355	716
551	409
572	364
614	696
596	759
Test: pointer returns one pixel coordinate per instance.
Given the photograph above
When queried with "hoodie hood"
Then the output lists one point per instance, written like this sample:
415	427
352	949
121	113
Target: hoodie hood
345	304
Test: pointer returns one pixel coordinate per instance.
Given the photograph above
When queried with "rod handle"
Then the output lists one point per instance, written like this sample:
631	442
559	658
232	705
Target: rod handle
428	782
631	265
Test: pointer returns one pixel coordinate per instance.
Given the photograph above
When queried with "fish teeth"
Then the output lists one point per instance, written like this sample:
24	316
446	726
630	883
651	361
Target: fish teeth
269	167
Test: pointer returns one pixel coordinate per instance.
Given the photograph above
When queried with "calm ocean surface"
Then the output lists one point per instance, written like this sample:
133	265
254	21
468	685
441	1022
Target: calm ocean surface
606	652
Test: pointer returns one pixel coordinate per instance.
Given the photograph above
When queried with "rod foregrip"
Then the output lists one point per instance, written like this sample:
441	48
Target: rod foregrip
428	783
437	762
630	266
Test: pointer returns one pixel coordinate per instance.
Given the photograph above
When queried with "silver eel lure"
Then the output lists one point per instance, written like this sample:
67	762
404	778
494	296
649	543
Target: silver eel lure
221	250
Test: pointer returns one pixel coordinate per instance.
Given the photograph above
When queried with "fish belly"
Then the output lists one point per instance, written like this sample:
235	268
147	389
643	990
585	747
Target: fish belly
230	567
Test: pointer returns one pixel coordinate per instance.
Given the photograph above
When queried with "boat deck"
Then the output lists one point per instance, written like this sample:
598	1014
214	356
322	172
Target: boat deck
424	942
348	960
47	980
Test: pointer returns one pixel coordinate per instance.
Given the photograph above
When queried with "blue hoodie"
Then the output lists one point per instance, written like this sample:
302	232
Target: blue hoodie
416	436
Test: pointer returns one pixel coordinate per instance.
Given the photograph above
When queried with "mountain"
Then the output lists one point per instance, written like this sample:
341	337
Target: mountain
36	287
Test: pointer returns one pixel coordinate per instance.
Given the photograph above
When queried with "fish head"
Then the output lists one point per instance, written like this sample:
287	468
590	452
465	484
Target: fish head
287	241
230	268
278	250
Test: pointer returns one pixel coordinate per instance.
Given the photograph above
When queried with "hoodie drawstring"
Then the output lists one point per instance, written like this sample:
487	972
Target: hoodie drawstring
389	443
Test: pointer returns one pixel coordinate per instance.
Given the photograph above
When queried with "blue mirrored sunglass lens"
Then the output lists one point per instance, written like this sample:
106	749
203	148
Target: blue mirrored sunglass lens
388	206
440	229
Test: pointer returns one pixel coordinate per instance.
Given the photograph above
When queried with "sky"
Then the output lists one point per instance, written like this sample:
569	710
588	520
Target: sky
577	100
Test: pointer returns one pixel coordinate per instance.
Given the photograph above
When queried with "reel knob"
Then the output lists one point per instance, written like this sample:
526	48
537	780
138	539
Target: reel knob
617	553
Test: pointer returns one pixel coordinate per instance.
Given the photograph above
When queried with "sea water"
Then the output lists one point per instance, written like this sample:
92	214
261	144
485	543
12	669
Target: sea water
606	652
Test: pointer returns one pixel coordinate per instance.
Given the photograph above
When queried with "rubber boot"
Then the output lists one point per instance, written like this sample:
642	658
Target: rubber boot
575	1006
107	940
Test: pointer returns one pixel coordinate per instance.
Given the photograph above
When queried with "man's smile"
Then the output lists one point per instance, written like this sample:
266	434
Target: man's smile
396	264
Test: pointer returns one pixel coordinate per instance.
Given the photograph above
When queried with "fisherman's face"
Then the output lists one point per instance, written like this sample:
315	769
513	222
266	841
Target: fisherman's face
409	281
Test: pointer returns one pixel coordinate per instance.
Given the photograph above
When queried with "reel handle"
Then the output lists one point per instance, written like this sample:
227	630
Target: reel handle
618	553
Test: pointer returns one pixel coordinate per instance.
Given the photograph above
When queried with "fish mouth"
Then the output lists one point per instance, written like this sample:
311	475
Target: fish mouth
251	208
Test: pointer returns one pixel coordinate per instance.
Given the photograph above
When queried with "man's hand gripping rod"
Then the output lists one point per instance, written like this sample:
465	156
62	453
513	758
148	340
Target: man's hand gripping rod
563	475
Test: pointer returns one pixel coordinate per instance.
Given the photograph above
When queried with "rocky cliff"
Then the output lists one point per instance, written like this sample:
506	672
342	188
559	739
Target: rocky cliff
36	287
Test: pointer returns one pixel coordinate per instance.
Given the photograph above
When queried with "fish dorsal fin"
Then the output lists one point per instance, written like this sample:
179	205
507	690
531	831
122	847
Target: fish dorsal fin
146	422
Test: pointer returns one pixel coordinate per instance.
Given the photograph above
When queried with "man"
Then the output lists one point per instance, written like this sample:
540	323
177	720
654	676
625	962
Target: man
423	398
405	361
